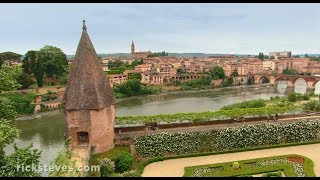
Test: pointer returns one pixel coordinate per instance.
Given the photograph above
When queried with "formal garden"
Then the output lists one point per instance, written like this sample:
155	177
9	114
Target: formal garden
277	166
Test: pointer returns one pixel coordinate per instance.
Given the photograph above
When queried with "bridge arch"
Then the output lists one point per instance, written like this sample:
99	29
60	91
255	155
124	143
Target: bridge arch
276	81
264	80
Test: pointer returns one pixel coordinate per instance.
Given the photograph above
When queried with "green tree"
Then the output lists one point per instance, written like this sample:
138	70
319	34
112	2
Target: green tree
217	72
261	56
289	71
29	62
8	77
235	73
11	165
306	55
271	57
9	57
52	62
24	80
227	82
180	71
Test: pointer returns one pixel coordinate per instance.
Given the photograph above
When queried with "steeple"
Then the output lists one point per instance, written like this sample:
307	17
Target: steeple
84	27
132	48
87	87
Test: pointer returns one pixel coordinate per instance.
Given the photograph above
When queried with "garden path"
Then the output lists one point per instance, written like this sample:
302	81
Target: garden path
175	167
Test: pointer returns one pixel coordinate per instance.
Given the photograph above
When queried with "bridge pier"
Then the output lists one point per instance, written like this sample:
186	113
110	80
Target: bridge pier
290	84
310	85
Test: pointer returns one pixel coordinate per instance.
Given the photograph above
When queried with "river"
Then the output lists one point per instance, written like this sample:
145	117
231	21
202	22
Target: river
47	133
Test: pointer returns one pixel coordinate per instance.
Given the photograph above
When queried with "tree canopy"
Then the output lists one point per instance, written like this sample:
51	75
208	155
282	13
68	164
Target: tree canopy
217	72
52	62
21	156
8	77
9	57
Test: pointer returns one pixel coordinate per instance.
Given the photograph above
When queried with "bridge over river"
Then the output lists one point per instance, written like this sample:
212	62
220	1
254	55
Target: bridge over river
311	81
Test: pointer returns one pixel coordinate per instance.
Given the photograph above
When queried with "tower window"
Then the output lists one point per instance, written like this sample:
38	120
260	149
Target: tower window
83	138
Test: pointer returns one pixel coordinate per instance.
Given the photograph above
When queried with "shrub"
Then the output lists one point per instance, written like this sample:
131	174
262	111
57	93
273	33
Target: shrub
21	102
306	97
292	97
123	162
235	165
313	105
107	167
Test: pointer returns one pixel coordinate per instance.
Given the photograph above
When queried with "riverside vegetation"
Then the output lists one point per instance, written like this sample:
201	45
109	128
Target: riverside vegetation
295	102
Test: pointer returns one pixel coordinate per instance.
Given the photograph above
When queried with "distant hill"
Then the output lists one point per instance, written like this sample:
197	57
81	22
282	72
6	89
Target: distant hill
188	55
170	54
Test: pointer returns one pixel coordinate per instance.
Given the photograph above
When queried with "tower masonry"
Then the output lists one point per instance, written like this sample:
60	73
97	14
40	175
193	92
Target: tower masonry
89	100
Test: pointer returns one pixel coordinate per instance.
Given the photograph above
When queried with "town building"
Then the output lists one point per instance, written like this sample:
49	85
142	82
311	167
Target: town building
138	55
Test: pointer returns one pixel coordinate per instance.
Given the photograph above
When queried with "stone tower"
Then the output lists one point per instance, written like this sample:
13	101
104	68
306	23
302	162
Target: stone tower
89	100
132	48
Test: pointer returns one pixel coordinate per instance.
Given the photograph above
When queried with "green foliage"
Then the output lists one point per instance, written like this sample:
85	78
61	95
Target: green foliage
292	97
272	166
235	165
115	71
261	56
20	156
217	72
9	57
272	174
235	73
250	80
227	82
8	77
206	116
52	62
289	71
21	102
157	54
112	154
134	76
315	58
24	80
7	111
49	96
246	104
124	162
131	88
64	159
233	138
29	62
313	105
107	167
181	71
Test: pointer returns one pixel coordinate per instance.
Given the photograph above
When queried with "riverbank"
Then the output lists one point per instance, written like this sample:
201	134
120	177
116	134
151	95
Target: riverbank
40	114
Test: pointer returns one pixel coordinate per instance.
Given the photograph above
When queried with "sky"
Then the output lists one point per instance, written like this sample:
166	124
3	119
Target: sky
223	28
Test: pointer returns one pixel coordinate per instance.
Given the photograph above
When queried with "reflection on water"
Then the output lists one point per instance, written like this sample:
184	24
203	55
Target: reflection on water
47	133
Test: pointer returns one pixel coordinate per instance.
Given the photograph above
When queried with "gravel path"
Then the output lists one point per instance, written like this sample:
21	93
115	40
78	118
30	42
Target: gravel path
175	167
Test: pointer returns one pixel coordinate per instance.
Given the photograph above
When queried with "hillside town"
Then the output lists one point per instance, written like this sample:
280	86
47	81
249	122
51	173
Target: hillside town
161	70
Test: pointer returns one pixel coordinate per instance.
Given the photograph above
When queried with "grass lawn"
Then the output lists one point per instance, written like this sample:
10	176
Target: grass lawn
112	154
250	167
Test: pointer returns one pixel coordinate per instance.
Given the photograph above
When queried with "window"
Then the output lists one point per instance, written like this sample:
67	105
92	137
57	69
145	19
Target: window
83	138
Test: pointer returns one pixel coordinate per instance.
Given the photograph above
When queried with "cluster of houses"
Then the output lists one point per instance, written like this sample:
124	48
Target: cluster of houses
160	70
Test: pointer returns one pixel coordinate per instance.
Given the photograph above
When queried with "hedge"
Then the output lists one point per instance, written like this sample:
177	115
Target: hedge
206	116
233	138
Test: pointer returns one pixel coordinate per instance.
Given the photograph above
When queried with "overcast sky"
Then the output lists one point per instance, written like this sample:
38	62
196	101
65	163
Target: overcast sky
190	27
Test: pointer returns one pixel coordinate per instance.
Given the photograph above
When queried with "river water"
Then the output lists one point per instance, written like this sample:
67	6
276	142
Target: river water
47	133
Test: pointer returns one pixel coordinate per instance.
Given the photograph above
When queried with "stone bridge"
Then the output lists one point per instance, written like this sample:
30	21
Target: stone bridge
290	79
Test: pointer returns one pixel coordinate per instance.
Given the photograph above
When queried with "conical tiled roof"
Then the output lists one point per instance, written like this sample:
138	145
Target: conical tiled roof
87	86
